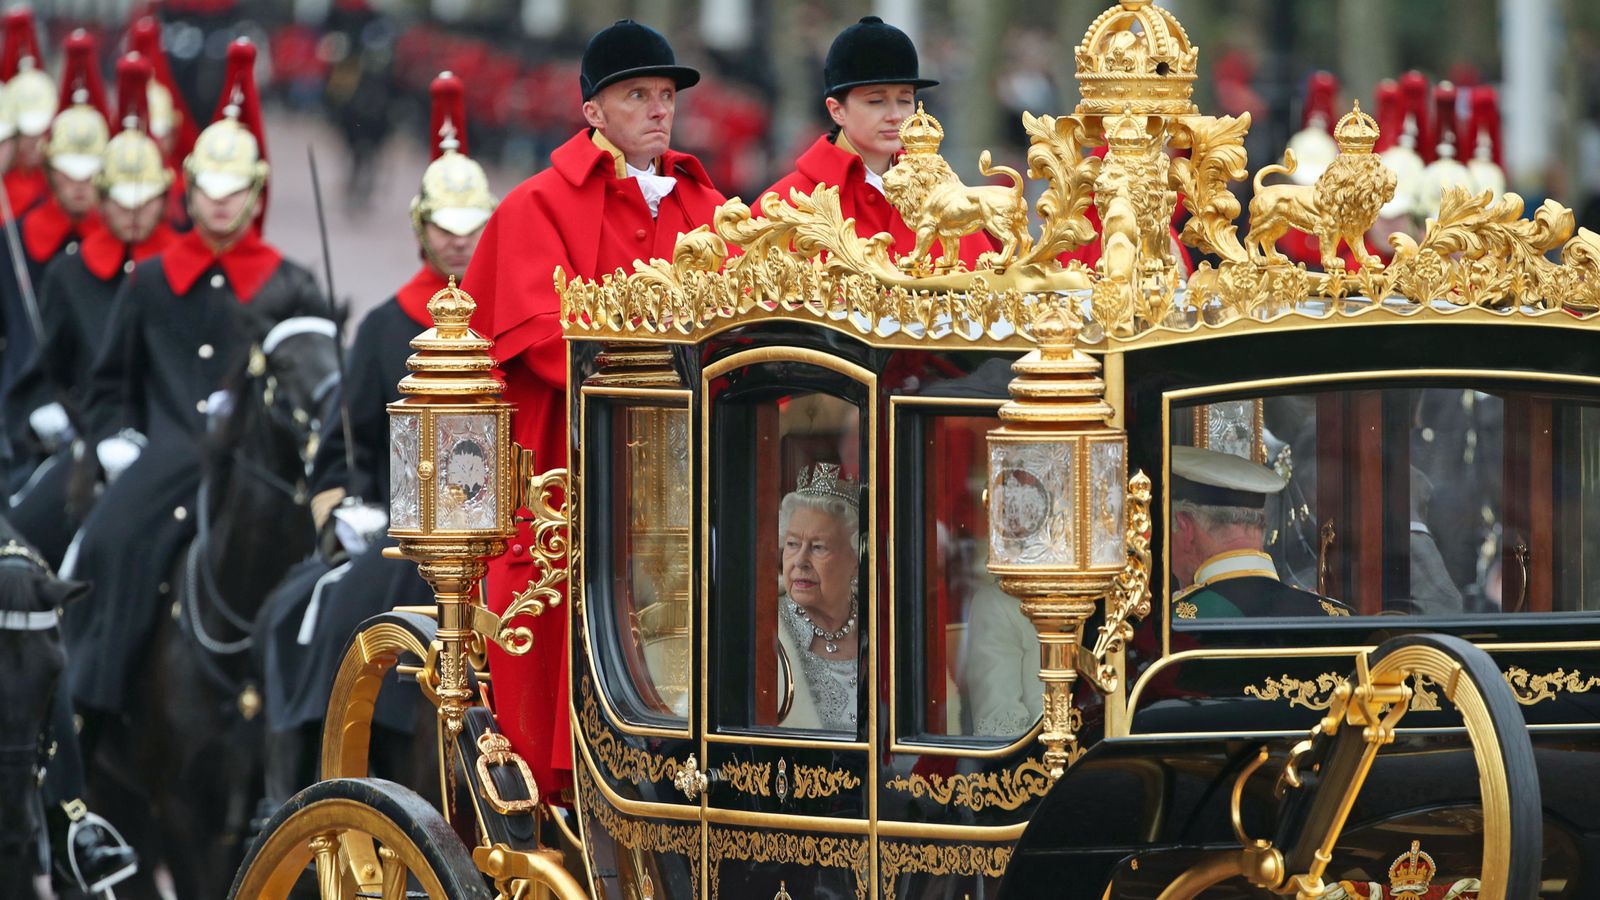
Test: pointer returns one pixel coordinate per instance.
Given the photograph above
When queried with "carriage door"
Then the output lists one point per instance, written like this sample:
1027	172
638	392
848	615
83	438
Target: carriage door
788	439
634	642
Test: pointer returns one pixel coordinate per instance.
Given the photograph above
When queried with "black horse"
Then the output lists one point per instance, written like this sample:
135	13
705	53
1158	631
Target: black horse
184	774
31	656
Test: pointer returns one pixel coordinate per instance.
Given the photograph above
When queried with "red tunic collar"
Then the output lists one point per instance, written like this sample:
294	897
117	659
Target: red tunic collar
104	254
416	293
247	264
580	158
828	163
46	227
24	187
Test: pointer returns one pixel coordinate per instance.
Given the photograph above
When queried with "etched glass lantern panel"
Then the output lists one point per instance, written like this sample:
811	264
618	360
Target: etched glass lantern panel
464	472
1032	486
405	448
1108	487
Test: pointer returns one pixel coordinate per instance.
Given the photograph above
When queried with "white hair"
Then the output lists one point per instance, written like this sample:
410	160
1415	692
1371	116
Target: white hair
1212	517
842	511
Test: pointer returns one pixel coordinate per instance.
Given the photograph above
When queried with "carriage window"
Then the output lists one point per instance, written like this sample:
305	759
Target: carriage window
646	503
970	656
1398	499
790	511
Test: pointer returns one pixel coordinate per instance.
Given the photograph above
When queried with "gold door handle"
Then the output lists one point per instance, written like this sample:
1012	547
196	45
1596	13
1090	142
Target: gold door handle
690	779
1327	536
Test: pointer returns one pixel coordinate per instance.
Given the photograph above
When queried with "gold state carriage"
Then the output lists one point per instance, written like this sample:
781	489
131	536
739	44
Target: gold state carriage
981	426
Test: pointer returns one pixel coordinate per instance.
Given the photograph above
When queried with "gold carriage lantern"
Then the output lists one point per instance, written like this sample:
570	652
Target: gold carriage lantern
1066	528
453	492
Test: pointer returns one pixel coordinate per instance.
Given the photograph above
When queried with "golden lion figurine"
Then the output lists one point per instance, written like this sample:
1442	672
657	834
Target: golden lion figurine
1341	206
938	207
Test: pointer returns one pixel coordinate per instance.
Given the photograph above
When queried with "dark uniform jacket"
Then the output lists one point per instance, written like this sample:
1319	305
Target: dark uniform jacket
75	297
1245	584
46	234
181	326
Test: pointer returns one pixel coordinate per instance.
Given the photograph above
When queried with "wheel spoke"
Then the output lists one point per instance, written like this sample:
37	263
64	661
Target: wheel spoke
330	881
394	875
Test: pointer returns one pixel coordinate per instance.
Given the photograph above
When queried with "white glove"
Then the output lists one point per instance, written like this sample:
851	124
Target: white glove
219	405
357	525
49	422
118	452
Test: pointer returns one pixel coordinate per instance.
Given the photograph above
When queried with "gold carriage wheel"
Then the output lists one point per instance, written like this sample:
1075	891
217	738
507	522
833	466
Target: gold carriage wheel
1507	777
418	855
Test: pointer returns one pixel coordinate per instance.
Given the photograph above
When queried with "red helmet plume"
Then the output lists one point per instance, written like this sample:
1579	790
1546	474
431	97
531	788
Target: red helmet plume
81	72
133	92
449	119
145	37
1445	132
1414	102
1322	93
1485	121
1391	115
21	42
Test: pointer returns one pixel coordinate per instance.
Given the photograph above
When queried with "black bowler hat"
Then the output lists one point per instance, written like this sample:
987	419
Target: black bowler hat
871	52
630	50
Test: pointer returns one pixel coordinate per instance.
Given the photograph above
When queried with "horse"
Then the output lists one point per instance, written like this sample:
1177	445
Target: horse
32	657
189	765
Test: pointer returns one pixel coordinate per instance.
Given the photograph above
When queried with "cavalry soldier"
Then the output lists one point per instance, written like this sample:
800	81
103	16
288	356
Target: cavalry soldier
1218	524
870	82
182	323
31	97
58	222
614	193
75	297
307	637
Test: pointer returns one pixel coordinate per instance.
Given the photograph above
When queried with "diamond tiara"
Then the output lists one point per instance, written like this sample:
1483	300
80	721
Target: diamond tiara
824	480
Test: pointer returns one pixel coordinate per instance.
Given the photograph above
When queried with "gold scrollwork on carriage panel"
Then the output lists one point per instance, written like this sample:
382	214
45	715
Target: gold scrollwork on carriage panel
545	497
1530	689
640	834
896	858
624	762
1313	694
1006	789
1129	600
797	848
815	782
747	777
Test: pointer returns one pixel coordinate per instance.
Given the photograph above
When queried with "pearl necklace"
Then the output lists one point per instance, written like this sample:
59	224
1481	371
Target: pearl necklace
830	639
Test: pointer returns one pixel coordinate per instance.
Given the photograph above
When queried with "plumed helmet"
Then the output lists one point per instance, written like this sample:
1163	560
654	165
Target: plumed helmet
79	133
229	155
455	191
168	112
871	52
133	172
31	95
628	49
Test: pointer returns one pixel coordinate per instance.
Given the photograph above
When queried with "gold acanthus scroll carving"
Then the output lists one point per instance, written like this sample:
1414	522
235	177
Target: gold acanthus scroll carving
797	848
1006	789
816	782
802	259
1528	688
896	858
625	763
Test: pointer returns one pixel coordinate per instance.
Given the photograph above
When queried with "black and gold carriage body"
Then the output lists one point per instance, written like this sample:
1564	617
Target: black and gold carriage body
1038	703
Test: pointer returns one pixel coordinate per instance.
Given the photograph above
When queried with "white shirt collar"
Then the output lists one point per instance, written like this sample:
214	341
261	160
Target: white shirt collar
654	187
873	178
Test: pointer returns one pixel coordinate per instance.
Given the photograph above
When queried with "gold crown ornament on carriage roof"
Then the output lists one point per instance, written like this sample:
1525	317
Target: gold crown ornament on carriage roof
1478	257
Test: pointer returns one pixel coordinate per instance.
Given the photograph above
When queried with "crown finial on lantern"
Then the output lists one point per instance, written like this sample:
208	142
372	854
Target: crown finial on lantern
451	309
921	134
1357	132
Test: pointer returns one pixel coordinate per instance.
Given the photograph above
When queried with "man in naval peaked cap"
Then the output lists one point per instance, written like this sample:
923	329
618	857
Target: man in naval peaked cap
1218	525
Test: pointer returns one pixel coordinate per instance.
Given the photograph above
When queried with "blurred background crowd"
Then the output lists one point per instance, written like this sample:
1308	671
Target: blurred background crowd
353	75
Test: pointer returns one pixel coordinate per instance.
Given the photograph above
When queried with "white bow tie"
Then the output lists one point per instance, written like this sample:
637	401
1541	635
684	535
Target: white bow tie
654	187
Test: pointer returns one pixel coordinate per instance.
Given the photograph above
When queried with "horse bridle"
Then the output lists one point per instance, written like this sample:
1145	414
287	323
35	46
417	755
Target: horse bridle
17	554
